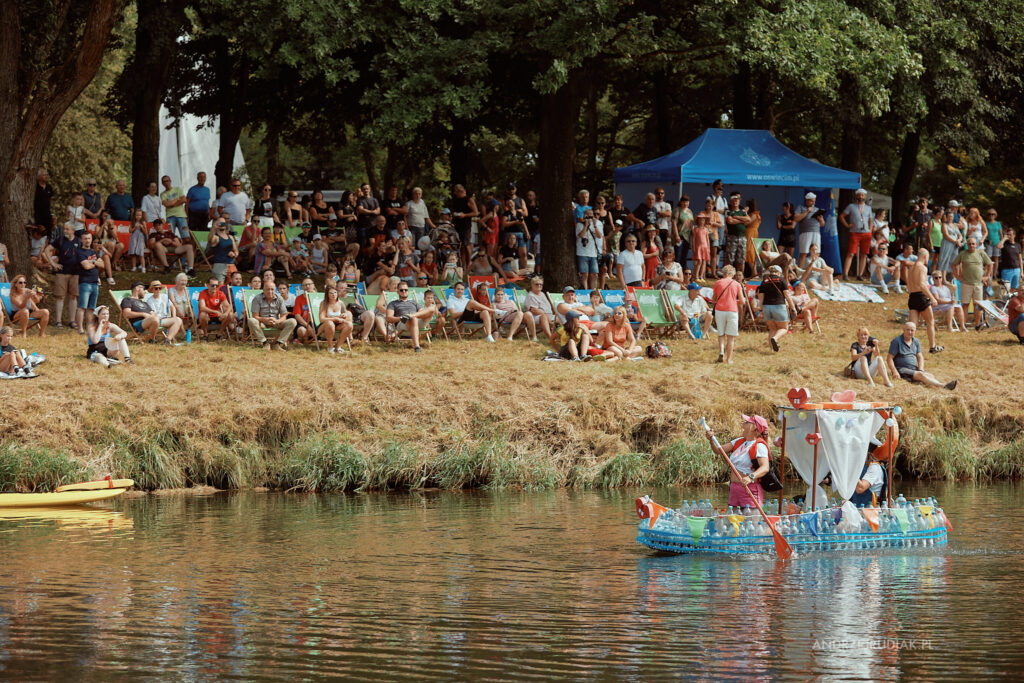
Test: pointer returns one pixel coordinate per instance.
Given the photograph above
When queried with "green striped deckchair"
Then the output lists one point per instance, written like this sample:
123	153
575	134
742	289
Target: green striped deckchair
652	305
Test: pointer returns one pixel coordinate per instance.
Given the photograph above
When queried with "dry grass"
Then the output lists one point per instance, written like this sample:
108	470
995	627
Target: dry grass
226	415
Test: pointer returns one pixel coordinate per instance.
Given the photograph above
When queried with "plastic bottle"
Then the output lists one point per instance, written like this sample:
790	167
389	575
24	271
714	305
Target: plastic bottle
188	336
901	502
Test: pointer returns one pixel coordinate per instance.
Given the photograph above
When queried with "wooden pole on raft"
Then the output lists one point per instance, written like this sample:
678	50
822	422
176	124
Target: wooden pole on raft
814	468
892	463
782	462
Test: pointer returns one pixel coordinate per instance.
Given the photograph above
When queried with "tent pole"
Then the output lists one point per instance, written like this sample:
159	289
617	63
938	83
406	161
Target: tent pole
782	462
814	467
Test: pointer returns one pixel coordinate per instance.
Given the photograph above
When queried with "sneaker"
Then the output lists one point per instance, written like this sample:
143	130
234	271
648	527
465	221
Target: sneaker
191	272
721	358
111	281
587	358
129	361
135	269
490	338
283	346
26	373
404	318
952	385
418	350
60	326
937	349
533	339
330	350
112	362
143	269
774	344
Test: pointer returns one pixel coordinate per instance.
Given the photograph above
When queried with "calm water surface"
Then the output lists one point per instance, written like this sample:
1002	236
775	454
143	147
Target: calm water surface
489	585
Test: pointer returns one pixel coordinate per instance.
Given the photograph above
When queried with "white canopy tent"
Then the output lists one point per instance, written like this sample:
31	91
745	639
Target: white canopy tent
189	146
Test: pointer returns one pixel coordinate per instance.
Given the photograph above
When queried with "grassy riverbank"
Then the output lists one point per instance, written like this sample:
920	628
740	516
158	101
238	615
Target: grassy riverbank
473	414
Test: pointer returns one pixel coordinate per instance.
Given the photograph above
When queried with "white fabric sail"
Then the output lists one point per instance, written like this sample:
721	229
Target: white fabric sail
845	436
191	145
801	453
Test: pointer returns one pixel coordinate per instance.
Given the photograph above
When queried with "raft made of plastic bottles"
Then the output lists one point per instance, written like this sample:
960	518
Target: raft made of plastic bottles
920	524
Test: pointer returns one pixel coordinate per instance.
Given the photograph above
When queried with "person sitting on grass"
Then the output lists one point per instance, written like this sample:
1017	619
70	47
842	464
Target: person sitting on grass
269	312
12	364
694	310
25	305
405	314
866	359
536	303
1015	314
906	360
617	340
946	306
335	319
806	307
161	305
106	340
818	274
215	307
574	339
509	314
139	314
462	309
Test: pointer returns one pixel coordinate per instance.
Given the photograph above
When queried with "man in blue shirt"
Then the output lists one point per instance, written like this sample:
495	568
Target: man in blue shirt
120	204
906	360
198	203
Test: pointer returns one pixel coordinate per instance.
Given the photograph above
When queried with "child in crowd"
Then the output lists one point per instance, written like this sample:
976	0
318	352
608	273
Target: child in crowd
299	257
350	272
137	242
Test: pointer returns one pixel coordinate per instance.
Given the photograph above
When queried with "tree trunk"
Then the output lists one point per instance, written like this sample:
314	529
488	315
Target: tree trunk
33	97
559	113
272	143
663	117
458	154
742	102
155	43
233	110
904	176
591	173
850	149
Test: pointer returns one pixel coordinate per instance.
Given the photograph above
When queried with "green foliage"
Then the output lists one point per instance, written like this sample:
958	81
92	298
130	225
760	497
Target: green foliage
687	463
628	469
27	469
153	459
323	463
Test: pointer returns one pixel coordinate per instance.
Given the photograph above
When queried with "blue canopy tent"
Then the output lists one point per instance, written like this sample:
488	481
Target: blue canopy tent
751	162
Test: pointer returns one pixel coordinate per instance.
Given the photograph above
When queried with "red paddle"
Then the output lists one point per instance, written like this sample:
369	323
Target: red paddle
782	548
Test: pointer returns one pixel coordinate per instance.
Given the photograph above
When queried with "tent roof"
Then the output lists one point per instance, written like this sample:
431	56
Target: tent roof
738	157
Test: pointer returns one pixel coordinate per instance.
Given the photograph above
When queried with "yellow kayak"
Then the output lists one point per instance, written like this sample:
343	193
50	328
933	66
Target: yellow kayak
98	484
35	500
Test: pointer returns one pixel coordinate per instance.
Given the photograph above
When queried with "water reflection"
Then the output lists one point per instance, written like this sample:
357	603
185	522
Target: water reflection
500	585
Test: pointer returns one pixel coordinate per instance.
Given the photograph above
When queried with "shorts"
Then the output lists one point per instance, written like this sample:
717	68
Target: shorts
787	238
713	239
404	327
64	285
727	323
858	371
509	317
607	261
1010	275
198	220
586	264
969	293
860	243
180	226
807	239
220	270
565	352
469	316
906	373
1015	325
919	301
778	313
735	248
992	250
265	221
137	324
87	294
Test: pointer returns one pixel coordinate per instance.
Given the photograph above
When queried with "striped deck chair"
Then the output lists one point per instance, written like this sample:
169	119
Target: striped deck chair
673	297
5	299
467	329
510	294
369	302
758	241
117	295
653	307
417	294
314	299
247	296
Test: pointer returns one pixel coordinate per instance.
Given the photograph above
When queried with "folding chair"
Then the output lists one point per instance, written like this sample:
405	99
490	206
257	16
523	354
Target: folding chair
673	297
653	308
617	297
247	296
471	328
5	298
752	321
117	295
313	300
417	294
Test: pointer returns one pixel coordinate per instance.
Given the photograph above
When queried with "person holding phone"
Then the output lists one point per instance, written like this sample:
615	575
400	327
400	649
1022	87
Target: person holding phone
865	360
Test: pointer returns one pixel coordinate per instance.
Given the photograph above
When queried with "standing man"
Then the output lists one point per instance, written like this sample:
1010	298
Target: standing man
663	212
93	204
921	226
120	205
42	213
857	219
198	204
811	220
736	220
630	264
463	210
367	210
174	201
973	268
921	299
589	238
394	208
645	214
235	205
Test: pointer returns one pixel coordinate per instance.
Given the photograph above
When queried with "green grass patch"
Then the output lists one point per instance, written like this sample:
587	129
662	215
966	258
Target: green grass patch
27	469
686	463
628	469
322	463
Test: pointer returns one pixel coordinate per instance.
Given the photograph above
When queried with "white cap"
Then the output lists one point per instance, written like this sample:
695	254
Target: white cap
953	202
862	191
810	195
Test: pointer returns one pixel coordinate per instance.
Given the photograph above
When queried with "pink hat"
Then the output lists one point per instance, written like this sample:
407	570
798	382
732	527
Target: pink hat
757	421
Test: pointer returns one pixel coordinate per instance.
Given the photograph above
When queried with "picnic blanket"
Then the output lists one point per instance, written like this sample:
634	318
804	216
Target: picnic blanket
847	291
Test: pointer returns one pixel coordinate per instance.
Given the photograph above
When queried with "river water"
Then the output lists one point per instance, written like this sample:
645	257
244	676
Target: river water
490	585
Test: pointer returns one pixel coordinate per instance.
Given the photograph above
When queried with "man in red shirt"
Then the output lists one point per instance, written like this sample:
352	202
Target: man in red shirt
215	307
304	330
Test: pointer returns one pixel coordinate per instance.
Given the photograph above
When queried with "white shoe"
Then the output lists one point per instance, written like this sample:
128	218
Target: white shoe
490	338
100	359
113	361
143	269
135	269
330	350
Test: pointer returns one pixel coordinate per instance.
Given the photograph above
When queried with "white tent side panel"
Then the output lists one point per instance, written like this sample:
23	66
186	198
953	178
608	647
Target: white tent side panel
187	149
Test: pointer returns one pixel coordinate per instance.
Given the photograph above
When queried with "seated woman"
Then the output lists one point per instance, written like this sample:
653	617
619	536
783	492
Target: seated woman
806	307
336	320
865	359
617	340
946	306
751	457
574	339
25	306
106	340
508	257
508	313
12	364
818	274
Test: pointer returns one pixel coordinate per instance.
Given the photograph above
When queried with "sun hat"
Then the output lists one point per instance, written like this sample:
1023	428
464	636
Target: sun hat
757	421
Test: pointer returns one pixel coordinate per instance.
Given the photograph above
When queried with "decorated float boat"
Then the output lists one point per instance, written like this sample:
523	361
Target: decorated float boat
820	440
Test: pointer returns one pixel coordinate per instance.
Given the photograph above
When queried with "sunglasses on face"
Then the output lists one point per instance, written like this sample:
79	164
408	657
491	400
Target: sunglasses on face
404	289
